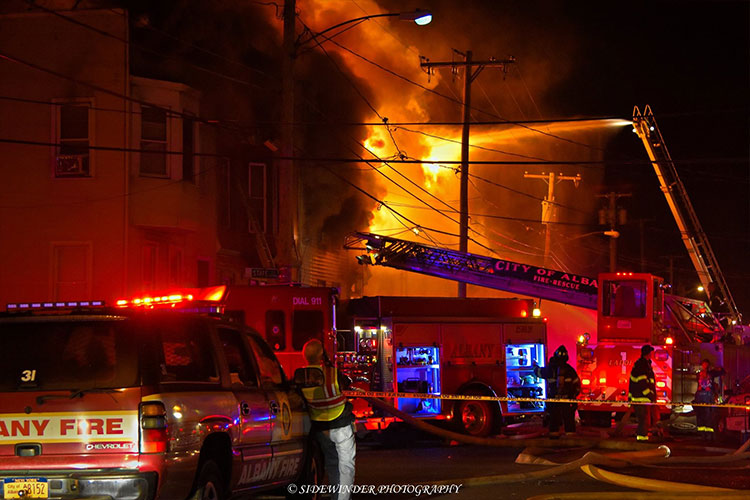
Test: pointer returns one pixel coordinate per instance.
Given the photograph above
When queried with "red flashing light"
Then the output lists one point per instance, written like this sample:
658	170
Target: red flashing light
524	313
545	319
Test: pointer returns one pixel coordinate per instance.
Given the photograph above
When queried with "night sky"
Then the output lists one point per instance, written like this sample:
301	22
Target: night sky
688	60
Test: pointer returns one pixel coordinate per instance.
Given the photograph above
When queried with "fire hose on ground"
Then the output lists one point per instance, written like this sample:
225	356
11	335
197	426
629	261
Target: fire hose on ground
632	453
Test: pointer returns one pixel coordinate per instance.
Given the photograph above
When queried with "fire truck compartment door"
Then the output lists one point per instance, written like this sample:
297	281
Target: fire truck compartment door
476	343
524	333
411	334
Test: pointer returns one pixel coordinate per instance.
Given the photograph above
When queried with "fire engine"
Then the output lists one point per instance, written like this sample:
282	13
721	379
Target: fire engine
286	316
431	345
632	308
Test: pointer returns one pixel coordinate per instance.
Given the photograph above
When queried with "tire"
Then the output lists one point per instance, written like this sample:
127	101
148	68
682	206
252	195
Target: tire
210	483
476	418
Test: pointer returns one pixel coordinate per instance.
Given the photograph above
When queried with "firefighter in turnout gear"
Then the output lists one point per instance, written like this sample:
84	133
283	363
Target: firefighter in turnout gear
562	383
708	392
332	421
642	389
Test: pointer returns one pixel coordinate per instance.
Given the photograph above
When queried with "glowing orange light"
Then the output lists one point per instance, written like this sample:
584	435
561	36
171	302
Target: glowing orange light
585	382
524	313
602	380
661	384
669	340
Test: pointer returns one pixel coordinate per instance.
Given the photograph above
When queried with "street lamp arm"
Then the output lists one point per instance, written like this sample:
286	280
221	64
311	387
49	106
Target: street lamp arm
419	16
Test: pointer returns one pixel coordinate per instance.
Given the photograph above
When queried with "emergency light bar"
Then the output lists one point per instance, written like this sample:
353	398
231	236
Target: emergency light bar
212	294
46	306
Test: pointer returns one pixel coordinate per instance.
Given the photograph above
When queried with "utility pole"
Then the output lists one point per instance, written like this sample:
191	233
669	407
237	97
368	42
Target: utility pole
470	75
288	192
549	207
610	216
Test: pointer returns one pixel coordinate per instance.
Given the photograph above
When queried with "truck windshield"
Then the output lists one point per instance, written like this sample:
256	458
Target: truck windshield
624	298
66	355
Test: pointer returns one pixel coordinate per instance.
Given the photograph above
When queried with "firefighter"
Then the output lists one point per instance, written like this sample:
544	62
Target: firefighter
642	389
332	421
708	392
562	383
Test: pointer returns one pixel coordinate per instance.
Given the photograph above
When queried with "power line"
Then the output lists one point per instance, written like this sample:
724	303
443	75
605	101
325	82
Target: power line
107	91
459	102
131	43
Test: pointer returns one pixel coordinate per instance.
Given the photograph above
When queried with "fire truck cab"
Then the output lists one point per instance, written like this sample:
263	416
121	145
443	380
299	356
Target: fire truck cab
633	310
436	345
287	317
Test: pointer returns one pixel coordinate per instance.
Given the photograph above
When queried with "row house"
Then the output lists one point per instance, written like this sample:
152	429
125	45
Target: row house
115	183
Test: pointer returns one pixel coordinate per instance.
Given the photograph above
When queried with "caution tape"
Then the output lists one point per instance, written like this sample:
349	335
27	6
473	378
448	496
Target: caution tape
472	397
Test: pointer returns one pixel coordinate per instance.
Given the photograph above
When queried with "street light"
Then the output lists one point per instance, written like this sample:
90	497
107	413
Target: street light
420	17
289	253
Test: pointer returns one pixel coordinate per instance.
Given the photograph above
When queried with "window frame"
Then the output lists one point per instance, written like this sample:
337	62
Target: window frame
252	365
167	136
56	135
54	266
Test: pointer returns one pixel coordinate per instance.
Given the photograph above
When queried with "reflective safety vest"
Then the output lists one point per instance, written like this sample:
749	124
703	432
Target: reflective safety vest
326	403
642	385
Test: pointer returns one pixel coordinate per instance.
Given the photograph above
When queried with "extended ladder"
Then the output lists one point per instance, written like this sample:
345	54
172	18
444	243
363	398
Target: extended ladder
695	240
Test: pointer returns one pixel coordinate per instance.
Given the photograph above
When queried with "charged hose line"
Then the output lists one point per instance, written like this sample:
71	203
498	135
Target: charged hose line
643	483
591	457
509	443
637	495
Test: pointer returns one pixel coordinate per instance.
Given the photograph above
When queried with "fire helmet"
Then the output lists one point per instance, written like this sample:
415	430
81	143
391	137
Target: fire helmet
562	353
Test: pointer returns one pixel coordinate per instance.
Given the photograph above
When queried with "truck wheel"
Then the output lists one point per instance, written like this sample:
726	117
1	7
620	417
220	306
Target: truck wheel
312	474
476	418
209	485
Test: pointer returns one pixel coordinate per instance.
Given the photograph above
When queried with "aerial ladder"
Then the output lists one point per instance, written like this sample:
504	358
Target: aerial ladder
514	277
695	240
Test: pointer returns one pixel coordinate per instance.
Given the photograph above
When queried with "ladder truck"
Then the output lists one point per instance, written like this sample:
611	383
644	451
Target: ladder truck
695	240
632	310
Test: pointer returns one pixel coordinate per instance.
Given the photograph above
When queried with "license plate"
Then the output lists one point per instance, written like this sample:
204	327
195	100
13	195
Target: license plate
25	487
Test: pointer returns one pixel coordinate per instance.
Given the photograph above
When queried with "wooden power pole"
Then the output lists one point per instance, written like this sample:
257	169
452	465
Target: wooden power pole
471	71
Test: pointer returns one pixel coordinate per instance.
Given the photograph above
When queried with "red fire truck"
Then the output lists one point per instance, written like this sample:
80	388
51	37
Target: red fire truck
286	316
431	345
632	308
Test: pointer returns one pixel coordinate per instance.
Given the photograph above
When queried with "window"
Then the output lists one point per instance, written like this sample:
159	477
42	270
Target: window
204	267
185	356
624	299
71	355
241	368
306	325
268	366
72	159
257	186
262	187
224	199
71	270
275	329
188	149
153	142
148	266
175	266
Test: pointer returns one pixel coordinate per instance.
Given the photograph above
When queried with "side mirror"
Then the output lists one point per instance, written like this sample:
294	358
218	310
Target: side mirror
308	377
